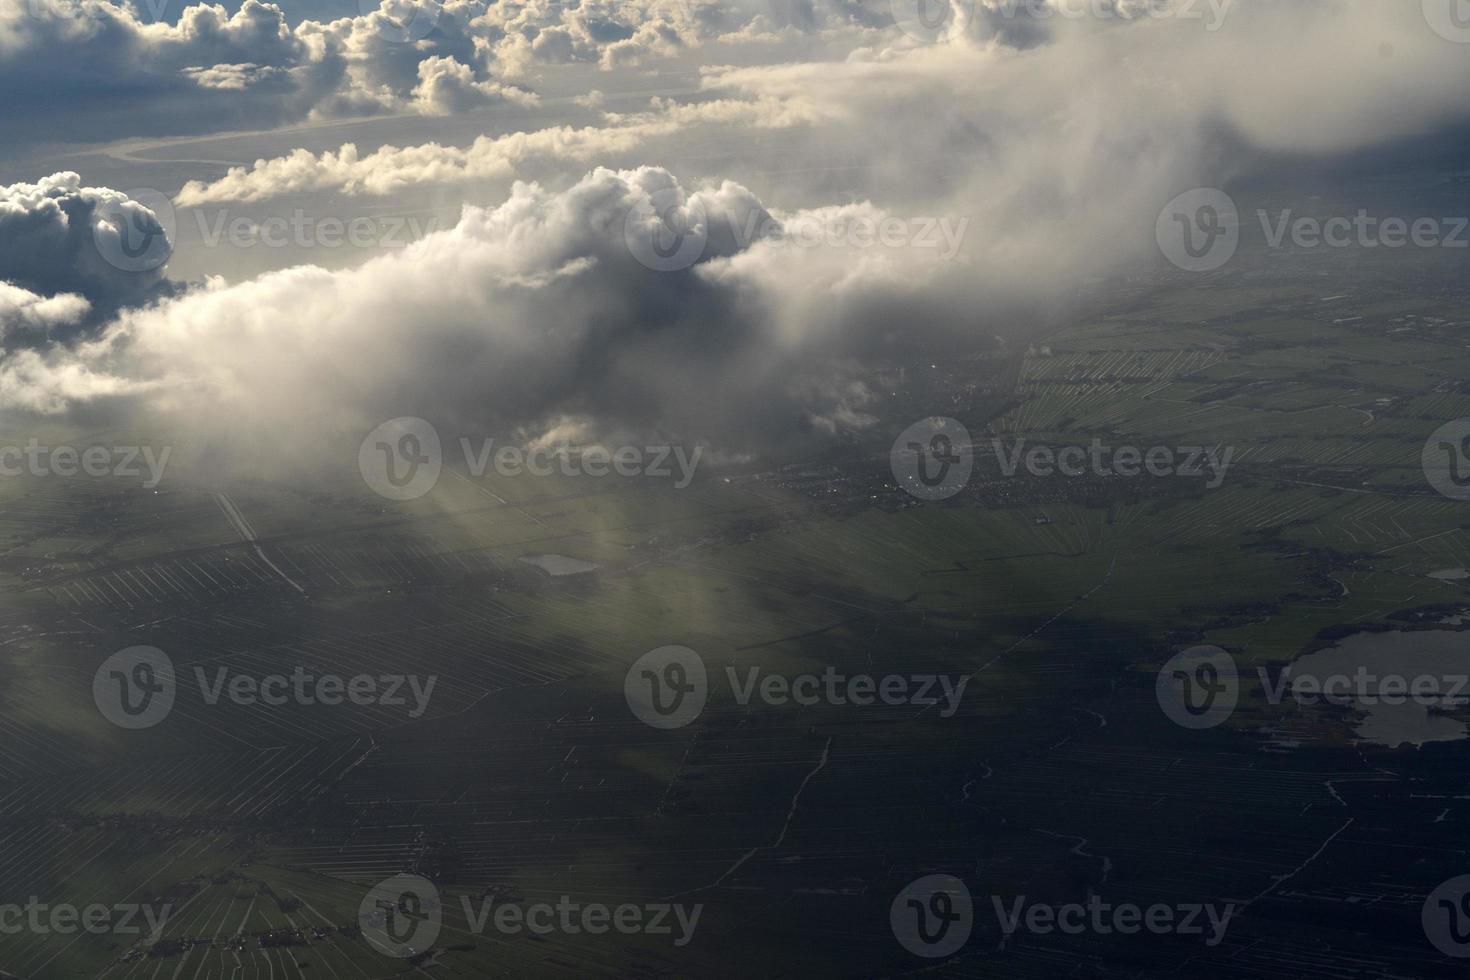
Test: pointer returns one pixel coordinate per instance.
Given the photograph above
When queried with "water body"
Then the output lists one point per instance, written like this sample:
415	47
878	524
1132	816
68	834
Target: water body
1440	654
559	565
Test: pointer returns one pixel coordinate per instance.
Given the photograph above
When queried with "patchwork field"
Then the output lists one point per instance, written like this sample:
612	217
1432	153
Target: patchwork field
525	777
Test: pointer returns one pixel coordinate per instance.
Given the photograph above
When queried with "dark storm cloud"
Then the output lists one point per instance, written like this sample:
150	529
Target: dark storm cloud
58	237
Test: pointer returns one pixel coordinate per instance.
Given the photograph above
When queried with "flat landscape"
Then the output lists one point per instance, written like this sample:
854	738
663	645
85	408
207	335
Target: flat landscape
525	777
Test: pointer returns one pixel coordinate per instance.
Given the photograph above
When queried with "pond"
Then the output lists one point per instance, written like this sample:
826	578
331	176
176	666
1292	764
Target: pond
1443	655
559	565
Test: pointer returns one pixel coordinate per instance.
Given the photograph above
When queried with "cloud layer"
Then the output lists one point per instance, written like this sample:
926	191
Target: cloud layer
521	316
93	69
1048	151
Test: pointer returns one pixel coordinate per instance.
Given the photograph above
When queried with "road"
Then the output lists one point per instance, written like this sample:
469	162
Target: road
247	533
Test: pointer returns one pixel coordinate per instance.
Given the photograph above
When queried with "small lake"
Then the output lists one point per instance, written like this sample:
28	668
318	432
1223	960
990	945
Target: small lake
559	565
1440	654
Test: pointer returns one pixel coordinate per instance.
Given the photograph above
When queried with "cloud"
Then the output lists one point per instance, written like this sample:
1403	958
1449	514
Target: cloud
391	169
520	317
105	71
96	244
92	69
30	320
1048	161
446	87
1099	103
100	66
522	35
95	66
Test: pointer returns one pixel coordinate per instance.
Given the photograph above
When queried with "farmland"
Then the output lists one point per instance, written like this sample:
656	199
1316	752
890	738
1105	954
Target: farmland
526	777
